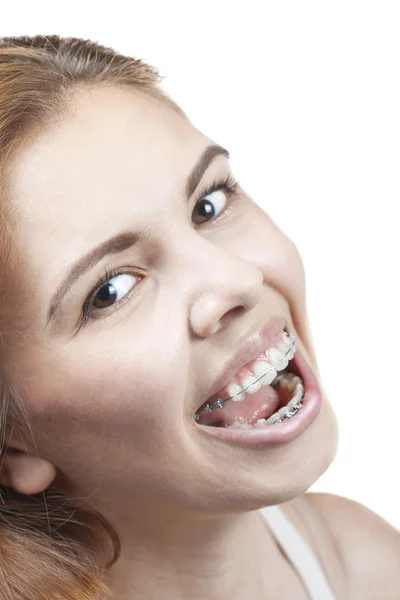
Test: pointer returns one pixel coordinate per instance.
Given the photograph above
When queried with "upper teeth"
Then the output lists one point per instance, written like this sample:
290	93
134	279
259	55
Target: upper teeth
262	372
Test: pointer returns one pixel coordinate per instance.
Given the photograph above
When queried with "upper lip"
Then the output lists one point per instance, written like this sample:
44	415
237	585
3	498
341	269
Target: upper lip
249	348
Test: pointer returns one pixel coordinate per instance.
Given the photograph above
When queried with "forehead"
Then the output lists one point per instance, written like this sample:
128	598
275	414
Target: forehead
114	141
118	159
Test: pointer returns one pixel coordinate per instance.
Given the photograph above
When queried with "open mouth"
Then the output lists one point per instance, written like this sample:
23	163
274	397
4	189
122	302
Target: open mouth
260	404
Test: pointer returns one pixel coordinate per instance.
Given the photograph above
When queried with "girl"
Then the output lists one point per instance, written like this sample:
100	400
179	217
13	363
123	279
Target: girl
162	413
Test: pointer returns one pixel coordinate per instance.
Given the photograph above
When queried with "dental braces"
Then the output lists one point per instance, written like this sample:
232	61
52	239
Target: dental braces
219	403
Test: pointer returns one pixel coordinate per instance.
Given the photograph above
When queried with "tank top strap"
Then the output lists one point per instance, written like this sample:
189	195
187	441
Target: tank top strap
299	553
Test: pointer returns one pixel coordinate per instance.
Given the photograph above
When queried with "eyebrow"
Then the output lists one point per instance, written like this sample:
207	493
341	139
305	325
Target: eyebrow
127	239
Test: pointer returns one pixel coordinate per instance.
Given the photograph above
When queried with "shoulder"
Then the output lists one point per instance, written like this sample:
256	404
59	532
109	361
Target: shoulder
368	545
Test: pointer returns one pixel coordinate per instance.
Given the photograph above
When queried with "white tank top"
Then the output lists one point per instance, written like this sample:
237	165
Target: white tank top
299	553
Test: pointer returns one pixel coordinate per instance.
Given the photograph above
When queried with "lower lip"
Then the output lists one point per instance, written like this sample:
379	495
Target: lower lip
279	433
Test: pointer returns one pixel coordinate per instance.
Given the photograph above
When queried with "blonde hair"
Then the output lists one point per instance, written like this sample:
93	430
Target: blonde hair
50	548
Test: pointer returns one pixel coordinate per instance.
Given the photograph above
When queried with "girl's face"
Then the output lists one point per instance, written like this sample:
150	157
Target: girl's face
113	368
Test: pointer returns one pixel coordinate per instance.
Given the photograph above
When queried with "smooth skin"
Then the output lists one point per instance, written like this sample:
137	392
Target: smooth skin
112	402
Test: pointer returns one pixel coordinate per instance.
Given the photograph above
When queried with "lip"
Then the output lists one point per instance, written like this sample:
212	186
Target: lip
249	348
279	433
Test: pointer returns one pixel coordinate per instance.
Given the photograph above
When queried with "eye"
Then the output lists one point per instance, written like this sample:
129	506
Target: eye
113	286
112	291
213	201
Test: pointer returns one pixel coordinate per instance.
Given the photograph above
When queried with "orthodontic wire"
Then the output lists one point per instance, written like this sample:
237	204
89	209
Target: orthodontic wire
220	402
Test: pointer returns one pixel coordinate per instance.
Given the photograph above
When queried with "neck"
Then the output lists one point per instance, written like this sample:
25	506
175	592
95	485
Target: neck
232	557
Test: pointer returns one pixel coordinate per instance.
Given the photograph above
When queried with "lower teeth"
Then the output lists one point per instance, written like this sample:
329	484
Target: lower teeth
284	413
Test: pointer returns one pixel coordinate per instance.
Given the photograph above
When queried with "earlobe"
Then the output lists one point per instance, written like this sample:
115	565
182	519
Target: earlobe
27	474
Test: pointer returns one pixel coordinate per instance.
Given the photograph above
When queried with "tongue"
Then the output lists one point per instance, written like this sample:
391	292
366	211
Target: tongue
260	405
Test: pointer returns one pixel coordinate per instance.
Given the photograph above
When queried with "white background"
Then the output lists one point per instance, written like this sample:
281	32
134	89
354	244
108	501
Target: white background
306	97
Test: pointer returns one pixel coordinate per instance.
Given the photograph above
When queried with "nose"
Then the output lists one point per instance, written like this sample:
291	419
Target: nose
219	285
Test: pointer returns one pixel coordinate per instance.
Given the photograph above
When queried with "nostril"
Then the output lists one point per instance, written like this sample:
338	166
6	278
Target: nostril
232	314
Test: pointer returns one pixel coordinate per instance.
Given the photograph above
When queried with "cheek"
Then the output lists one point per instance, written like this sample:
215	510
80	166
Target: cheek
279	259
85	398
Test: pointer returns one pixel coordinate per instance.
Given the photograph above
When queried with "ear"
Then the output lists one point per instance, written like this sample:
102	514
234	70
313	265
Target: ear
26	474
